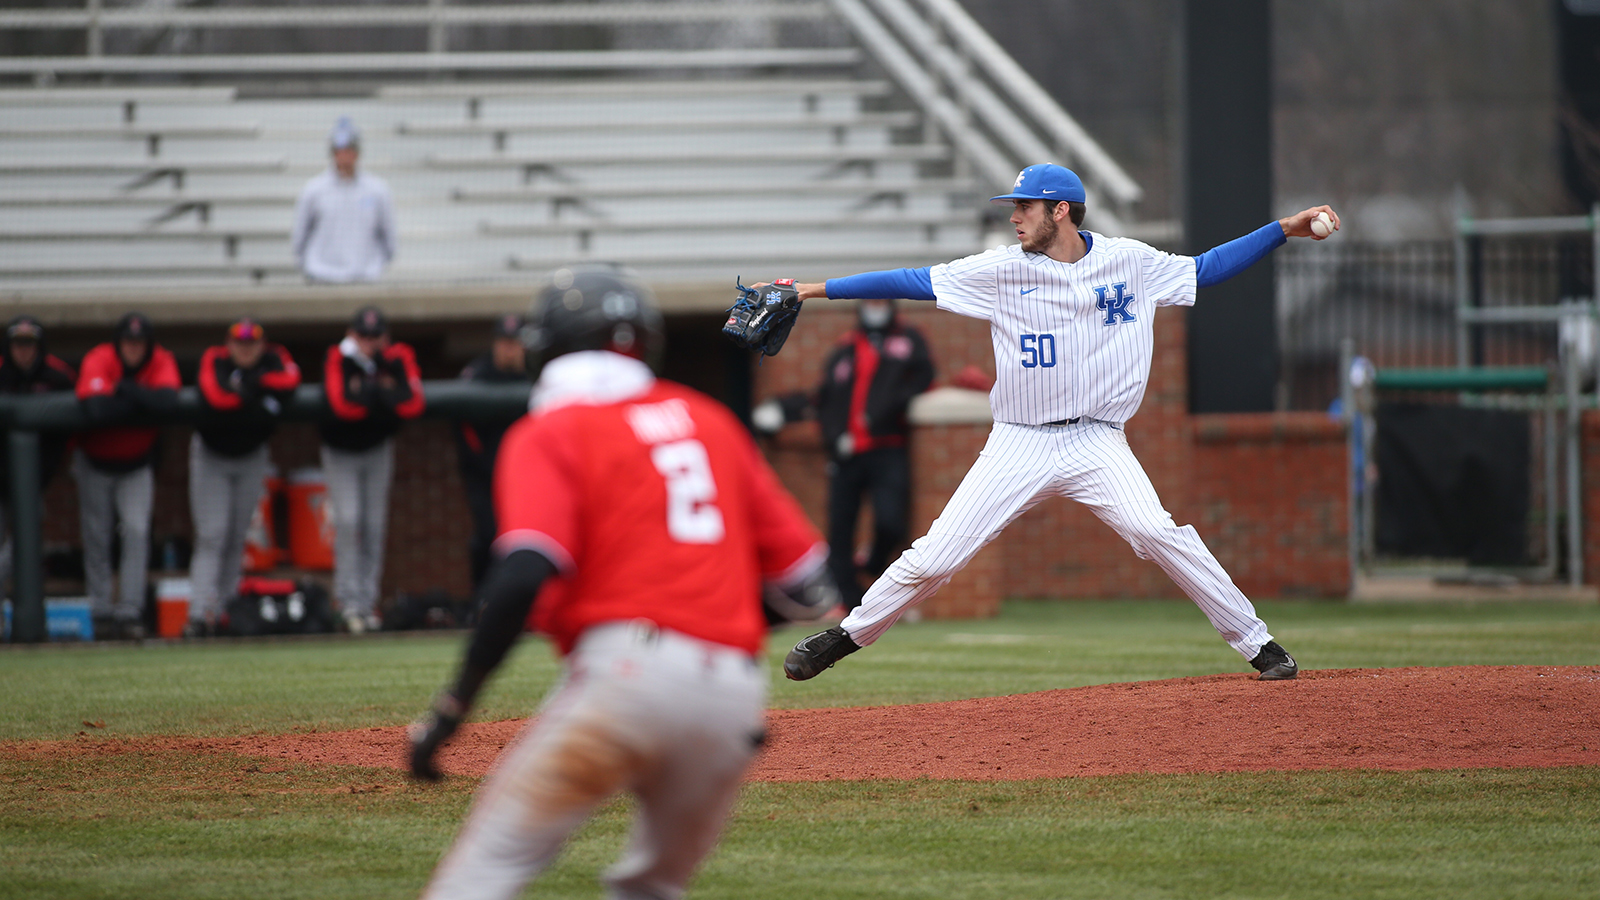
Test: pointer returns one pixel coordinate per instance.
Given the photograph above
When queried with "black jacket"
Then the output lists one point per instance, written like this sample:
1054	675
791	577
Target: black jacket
48	373
478	440
240	407
902	368
365	413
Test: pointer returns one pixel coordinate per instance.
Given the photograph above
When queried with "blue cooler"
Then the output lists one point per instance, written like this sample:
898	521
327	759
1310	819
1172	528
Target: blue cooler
65	619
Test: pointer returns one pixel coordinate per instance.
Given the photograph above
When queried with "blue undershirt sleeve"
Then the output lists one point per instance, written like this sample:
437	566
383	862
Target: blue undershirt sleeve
1227	260
890	284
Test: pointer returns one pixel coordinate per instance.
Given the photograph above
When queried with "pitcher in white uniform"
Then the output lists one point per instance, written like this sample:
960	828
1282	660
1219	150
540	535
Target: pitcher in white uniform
1071	315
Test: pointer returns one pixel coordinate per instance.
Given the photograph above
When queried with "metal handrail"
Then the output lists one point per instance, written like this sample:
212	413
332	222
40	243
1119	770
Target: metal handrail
24	417
989	161
1069	137
1470	233
981	99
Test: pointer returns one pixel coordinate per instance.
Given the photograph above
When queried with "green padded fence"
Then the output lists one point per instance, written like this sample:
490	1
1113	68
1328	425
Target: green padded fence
1482	378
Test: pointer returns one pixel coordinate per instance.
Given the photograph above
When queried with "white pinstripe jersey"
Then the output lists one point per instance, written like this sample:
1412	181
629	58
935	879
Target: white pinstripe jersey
1070	339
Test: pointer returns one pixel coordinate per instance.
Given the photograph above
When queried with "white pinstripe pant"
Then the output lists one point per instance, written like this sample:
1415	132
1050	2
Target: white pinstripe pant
1023	464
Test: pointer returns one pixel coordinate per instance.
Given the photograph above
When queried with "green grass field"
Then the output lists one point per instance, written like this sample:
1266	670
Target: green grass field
111	826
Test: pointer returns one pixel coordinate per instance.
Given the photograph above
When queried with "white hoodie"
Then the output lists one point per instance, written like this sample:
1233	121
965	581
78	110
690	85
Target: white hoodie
344	227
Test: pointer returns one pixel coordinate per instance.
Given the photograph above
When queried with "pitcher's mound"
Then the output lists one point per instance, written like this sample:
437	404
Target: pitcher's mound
1416	718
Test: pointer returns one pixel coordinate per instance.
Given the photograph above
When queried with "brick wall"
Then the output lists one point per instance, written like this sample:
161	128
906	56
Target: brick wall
1266	492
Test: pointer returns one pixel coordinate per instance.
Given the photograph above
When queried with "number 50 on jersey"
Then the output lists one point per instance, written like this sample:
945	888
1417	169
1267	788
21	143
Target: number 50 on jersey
1038	351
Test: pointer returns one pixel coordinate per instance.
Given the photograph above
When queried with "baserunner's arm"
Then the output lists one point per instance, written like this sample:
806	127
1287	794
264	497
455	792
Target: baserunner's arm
508	594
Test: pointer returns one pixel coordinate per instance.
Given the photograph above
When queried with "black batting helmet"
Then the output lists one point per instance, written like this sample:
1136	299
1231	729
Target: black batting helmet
593	307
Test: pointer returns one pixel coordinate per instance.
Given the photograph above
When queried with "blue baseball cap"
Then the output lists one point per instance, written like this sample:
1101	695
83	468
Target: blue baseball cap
1046	181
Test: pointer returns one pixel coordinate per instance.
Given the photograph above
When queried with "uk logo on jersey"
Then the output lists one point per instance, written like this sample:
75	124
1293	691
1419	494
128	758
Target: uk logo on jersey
1114	299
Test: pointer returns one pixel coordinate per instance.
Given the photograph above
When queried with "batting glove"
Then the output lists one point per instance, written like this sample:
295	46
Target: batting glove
432	730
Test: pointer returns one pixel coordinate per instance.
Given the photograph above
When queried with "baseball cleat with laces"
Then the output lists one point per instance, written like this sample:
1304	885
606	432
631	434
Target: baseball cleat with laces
1274	663
817	652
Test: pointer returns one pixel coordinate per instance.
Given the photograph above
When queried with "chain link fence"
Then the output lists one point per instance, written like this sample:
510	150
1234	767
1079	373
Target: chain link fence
1398	302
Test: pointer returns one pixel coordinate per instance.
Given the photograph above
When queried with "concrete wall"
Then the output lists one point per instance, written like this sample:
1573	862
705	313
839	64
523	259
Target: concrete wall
1380	108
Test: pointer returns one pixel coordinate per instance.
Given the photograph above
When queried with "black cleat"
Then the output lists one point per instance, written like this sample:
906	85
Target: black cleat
1274	663
817	652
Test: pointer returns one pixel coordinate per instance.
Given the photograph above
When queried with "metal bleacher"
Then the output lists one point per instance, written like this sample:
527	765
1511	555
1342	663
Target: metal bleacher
175	175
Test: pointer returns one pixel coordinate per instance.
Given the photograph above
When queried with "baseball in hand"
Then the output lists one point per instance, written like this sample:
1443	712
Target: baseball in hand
1322	225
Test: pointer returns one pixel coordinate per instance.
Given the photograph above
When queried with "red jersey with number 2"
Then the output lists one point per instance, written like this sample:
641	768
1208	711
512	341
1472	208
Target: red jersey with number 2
658	507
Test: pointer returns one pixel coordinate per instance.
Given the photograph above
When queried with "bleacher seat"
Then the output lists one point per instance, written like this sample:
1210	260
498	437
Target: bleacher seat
691	163
490	180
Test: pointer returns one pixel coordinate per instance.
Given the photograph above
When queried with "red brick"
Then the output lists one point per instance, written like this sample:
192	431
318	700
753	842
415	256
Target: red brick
1266	491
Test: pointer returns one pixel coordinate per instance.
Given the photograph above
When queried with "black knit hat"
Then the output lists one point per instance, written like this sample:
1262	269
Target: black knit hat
135	325
24	328
509	326
369	321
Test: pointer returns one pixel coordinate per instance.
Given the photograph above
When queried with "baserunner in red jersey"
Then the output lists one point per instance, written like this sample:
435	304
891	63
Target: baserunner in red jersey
659	545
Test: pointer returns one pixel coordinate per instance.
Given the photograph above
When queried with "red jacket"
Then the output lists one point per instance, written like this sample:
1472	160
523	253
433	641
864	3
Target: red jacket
365	411
111	394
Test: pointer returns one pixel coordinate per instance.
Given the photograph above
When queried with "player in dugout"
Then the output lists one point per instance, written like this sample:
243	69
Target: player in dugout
27	367
1070	314
659	545
244	384
478	439
127	377
373	385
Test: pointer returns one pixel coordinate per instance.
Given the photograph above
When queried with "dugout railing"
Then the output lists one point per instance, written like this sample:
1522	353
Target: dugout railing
25	417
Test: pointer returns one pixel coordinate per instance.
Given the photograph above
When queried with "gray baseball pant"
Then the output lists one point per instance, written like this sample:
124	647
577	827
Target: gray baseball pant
358	496
672	719
224	492
5	551
126	499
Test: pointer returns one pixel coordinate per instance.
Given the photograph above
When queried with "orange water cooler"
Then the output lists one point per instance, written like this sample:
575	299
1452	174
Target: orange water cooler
261	550
310	520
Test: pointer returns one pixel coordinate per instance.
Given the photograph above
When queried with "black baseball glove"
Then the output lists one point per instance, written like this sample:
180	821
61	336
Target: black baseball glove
760	320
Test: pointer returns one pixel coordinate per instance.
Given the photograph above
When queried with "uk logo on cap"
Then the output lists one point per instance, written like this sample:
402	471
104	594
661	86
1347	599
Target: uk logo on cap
1046	181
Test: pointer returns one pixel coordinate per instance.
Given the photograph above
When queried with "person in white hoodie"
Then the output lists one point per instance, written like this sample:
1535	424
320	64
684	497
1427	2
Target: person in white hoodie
344	221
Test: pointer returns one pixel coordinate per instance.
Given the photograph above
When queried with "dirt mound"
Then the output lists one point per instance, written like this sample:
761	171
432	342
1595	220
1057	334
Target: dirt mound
1417	718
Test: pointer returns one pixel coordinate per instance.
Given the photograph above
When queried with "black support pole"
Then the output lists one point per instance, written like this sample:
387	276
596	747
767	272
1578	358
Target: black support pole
1233	355
27	540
